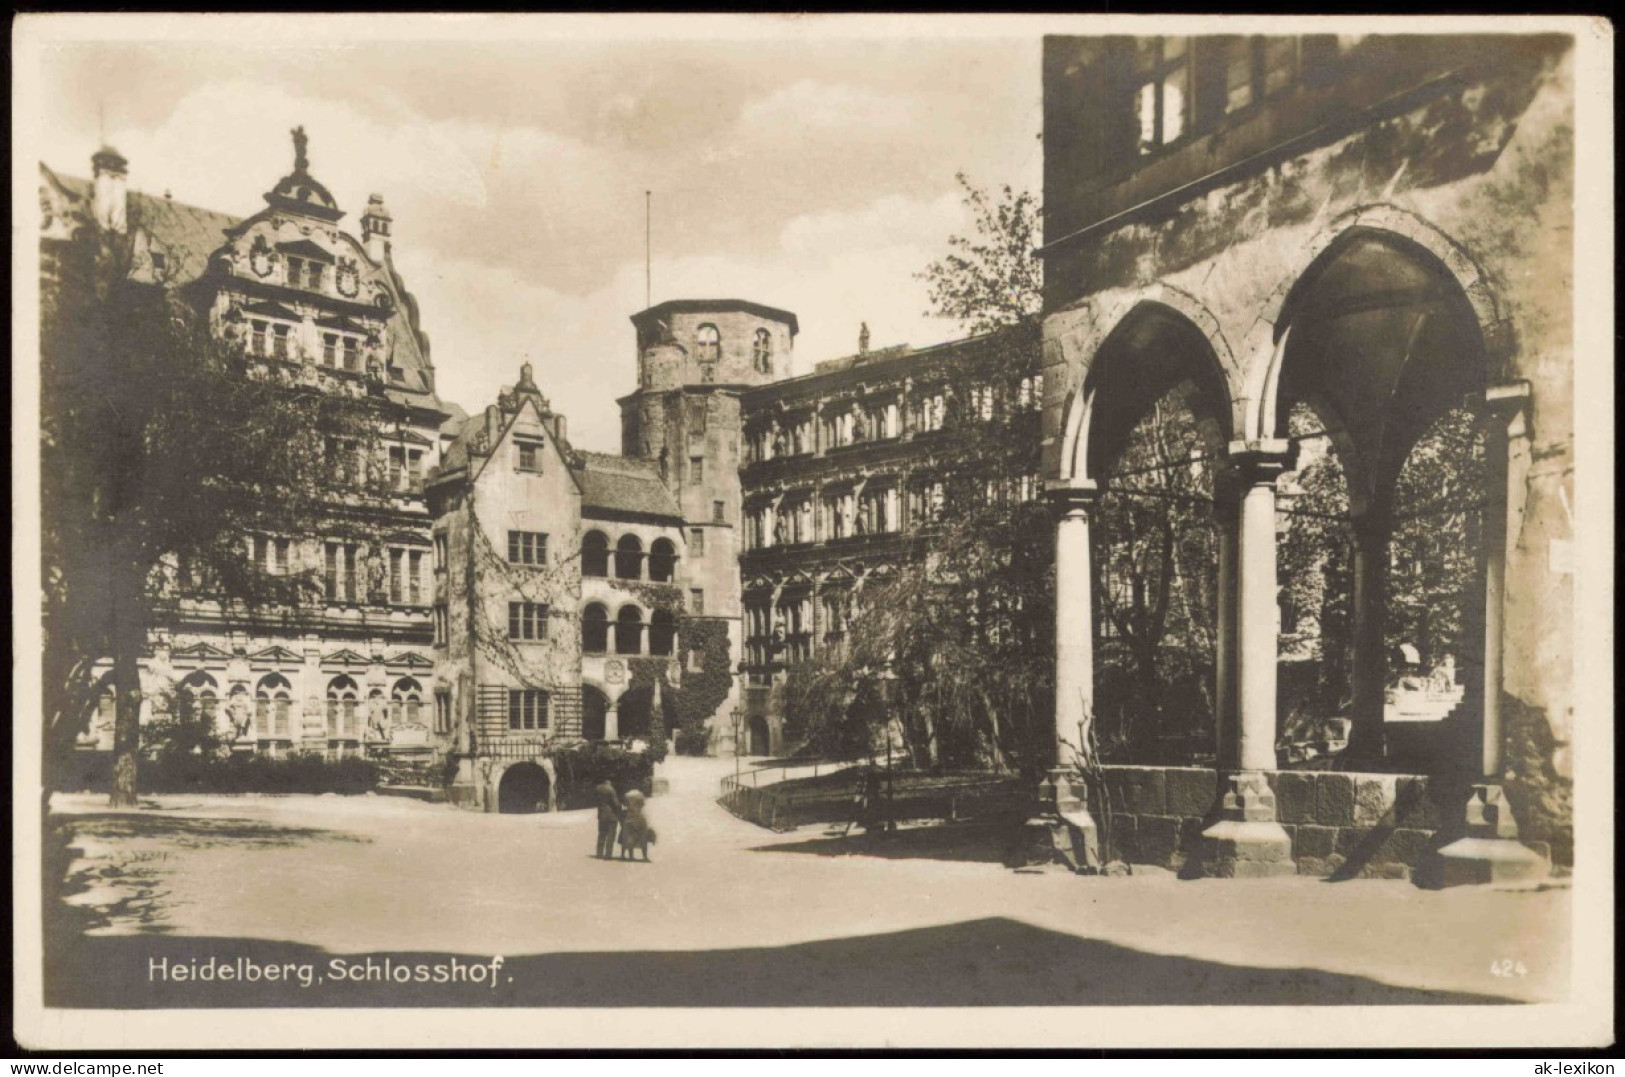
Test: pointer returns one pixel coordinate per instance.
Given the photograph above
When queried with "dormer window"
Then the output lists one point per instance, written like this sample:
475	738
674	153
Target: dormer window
530	455
313	276
708	344
296	270
762	352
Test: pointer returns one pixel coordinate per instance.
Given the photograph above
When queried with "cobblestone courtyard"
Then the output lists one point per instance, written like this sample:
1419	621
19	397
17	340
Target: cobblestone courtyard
731	914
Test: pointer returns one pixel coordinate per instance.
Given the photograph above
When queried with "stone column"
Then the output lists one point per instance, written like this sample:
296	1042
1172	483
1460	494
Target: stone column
1227	516
1369	672
1257	611
1488	849
1066	831
1074	620
1248	839
612	721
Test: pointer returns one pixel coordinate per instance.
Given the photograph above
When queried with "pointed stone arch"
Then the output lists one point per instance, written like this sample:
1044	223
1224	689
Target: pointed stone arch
1079	341
1264	350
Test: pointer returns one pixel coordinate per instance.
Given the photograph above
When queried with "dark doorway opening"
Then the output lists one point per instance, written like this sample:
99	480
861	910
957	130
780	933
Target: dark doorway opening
759	736
594	710
523	790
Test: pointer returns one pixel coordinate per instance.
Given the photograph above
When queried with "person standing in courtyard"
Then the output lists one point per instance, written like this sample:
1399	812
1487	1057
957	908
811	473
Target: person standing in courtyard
610	811
636	833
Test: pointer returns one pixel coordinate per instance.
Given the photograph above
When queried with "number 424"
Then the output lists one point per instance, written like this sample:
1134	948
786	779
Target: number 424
1506	967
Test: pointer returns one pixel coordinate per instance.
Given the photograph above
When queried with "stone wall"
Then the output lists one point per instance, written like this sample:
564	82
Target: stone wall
1342	825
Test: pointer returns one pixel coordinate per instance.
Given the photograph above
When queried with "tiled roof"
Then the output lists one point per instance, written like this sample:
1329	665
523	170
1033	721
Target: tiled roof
624	485
187	234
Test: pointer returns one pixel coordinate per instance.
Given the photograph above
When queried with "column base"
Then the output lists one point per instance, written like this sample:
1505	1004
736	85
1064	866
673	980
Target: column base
1488	852
1062	832
1247	842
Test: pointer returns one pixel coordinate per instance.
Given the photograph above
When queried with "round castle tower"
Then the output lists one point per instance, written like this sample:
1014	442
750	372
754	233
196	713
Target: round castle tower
695	358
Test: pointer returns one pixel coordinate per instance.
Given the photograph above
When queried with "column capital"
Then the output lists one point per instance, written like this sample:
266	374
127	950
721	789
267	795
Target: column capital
1259	462
1065	499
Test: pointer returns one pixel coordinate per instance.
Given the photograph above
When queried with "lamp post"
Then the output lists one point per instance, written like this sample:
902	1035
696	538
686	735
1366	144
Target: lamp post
888	693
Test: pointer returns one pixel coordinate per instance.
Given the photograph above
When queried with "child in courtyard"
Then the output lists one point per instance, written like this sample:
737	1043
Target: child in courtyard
636	833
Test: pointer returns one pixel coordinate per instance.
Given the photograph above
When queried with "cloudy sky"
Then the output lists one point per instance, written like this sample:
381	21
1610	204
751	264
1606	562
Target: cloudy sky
802	164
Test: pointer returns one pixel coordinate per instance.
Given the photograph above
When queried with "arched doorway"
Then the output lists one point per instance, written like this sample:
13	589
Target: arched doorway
523	790
760	738
594	712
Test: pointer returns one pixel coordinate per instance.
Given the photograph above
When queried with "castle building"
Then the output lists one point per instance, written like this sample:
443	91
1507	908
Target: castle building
842	481
351	673
557	594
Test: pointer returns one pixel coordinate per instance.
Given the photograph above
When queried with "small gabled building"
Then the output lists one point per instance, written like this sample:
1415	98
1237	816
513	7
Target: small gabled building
556	599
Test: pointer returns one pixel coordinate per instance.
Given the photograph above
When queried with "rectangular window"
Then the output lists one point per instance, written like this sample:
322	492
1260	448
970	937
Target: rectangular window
440	625
330	349
316	276
527	709
530	457
442	712
332	572
696	540
296	270
527	621
719	512
414	471
696	600
281	341
696	416
1280	63
280	549
395	594
258	345
440	551
352	354
350	552
397	467
414	577
696	470
527	548
1161	99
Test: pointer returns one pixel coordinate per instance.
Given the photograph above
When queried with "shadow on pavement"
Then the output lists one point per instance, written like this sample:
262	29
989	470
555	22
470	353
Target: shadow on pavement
192	832
981	843
988	962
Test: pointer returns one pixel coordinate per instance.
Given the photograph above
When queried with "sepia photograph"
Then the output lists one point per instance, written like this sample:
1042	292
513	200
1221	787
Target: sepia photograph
727	532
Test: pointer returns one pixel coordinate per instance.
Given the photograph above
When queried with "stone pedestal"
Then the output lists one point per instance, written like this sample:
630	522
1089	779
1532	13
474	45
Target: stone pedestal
1248	841
1063	831
1488	850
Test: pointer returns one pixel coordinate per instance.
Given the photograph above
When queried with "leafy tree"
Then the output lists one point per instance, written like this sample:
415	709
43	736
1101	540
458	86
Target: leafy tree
952	652
1155	593
163	447
991	278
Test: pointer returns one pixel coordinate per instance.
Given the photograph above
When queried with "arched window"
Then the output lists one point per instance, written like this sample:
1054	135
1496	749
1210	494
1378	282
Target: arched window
662	632
272	699
662	560
595	554
629	558
405	701
595	629
629	630
761	352
708	344
199	696
343	723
